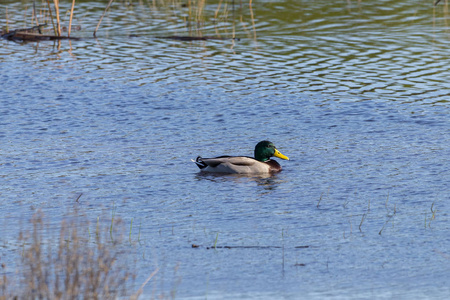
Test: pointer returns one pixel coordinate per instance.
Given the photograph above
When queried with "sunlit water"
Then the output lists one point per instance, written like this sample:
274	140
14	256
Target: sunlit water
357	95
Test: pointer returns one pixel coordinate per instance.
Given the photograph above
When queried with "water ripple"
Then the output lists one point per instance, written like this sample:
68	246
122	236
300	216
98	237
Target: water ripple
391	50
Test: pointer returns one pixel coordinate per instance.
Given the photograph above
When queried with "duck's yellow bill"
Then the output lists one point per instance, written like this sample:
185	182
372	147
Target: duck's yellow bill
278	154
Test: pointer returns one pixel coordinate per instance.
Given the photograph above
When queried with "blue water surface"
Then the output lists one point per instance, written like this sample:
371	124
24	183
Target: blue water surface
361	210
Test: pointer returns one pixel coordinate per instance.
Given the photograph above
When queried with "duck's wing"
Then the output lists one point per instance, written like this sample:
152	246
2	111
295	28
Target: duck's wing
203	163
232	164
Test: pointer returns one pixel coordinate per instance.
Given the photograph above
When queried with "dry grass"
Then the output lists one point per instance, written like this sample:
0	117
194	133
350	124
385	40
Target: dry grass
68	267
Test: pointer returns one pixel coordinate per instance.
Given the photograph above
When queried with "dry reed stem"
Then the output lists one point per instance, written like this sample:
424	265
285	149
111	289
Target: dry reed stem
253	21
34	14
70	21
58	23
51	17
217	10
104	13
7	22
141	289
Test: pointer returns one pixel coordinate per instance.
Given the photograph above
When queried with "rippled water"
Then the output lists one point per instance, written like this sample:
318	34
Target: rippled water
356	94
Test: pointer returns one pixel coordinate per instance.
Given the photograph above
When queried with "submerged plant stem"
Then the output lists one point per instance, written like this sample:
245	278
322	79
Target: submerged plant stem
131	227
215	242
362	220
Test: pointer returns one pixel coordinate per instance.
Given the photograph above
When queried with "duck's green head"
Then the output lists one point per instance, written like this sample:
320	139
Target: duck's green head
264	150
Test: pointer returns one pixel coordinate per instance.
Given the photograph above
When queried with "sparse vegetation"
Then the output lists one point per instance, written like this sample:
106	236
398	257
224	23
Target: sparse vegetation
200	20
72	266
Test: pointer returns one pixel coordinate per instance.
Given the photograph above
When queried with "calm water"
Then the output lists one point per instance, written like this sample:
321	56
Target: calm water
356	94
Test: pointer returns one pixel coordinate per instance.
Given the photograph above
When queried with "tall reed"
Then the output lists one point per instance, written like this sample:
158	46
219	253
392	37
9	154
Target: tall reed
57	26
71	16
51	17
58	22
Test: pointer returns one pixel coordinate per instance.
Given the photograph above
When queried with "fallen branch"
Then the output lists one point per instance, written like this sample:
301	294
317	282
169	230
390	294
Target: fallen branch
30	34
194	38
248	247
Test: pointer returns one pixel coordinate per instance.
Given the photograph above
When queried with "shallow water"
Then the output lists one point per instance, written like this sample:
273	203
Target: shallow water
357	95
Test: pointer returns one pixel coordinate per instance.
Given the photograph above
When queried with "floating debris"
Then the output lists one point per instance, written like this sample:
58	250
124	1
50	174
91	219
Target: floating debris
299	265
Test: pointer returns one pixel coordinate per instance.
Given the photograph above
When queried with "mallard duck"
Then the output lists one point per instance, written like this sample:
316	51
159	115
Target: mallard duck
260	164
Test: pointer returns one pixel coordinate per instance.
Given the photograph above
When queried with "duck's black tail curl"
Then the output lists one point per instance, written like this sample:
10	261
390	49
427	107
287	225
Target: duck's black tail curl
199	162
